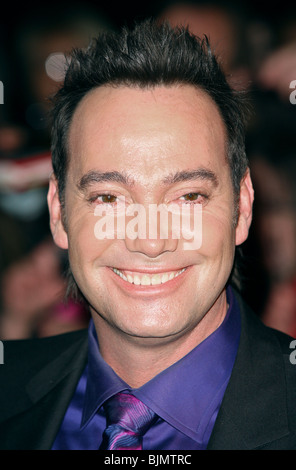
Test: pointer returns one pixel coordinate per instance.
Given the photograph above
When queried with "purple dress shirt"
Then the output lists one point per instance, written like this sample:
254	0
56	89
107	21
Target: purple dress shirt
186	396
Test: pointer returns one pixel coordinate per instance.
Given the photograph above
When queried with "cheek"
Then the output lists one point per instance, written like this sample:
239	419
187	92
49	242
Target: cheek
218	235
84	247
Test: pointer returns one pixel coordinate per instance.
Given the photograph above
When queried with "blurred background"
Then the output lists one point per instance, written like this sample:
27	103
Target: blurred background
256	45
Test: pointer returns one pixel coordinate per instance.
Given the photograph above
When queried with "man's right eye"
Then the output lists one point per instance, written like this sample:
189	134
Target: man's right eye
107	198
104	199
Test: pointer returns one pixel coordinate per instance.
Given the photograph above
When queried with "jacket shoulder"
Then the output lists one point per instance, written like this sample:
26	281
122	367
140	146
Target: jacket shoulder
285	341
38	379
258	409
22	358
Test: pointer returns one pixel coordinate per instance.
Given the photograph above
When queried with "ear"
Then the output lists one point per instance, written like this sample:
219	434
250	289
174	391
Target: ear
245	209
55	212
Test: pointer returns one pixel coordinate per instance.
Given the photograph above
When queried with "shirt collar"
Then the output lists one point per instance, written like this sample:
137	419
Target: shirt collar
198	379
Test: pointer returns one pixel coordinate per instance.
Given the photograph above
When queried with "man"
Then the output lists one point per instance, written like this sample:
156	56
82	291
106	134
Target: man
147	120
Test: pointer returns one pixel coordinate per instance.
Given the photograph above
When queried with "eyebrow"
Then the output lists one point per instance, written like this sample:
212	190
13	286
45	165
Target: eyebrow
193	175
95	176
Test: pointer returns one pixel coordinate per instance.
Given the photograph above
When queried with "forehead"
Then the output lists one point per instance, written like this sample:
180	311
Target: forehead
122	124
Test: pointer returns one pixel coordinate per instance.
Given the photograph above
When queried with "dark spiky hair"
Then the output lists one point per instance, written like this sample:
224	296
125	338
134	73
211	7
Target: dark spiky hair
147	56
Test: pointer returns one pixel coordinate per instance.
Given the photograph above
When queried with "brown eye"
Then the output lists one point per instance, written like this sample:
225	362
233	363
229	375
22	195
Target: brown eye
108	198
191	197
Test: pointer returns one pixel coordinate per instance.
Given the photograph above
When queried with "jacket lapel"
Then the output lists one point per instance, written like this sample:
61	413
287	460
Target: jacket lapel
254	409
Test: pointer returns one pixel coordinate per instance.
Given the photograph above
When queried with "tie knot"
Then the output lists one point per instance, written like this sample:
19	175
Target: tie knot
128	412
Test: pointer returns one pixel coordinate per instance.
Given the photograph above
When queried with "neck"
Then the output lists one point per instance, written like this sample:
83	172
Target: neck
137	360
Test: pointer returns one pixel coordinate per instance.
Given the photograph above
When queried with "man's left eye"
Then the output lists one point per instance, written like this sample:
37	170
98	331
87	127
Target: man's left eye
191	197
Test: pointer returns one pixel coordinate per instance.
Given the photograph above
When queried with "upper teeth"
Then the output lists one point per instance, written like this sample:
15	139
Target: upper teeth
145	279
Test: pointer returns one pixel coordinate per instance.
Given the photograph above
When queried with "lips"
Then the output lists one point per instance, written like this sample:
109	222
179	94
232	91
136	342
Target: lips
147	279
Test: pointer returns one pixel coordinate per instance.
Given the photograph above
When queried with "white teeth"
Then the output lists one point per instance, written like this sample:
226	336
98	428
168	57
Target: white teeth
164	278
145	281
120	274
148	279
155	279
130	278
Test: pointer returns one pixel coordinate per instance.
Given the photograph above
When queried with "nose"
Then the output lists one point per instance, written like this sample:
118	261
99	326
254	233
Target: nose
150	234
151	248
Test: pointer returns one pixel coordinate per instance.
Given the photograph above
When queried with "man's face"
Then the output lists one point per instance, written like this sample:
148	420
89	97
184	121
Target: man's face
159	146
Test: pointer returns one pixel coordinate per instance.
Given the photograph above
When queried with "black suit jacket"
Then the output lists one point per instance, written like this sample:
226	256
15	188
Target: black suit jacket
38	379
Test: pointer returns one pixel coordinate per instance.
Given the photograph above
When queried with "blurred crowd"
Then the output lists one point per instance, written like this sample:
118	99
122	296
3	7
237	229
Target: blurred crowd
258	56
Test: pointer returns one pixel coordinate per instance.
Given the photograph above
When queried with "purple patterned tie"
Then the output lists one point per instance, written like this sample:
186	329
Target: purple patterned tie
127	421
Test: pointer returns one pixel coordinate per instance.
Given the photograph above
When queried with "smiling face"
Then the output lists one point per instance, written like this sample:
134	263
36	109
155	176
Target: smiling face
158	146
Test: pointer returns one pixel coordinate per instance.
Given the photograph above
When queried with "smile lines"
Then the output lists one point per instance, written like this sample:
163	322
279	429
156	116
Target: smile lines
144	279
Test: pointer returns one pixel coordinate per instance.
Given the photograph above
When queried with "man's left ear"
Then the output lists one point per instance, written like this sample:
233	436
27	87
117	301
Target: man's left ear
245	209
